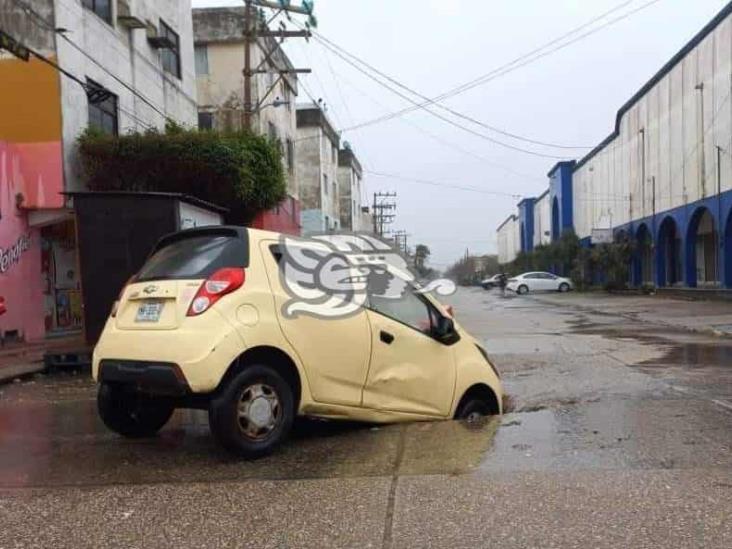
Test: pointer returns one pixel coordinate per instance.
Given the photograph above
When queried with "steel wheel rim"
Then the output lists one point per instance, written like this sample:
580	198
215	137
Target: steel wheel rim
259	411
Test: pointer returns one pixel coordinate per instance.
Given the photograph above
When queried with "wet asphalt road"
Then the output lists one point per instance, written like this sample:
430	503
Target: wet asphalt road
620	436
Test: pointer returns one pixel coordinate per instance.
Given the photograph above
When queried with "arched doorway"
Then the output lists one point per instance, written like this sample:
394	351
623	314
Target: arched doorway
644	256
702	262
555	219
728	251
668	254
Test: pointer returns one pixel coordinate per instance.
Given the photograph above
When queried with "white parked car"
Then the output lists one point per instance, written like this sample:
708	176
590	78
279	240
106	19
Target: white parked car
533	282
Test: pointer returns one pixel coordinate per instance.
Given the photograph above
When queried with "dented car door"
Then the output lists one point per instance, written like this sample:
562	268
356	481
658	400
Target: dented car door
410	371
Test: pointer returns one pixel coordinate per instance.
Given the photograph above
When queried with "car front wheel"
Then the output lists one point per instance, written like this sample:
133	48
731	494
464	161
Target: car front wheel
473	410
129	413
254	412
523	289
564	287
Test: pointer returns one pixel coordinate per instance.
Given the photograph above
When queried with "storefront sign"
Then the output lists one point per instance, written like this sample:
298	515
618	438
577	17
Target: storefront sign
10	256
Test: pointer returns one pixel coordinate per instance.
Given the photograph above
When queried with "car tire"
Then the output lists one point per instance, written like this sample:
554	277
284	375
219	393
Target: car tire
241	428
564	287
129	413
473	409
523	289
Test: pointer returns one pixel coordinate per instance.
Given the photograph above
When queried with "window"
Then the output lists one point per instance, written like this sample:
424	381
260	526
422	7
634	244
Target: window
201	54
103	8
170	56
353	211
194	257
102	109
290	156
271	131
325	184
335	190
408	309
205	121
335	155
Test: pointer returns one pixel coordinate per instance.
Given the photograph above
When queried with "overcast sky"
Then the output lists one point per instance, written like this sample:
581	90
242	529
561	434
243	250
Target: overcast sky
569	97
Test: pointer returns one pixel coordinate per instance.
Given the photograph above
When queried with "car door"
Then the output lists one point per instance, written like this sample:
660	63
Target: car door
549	282
532	281
410	371
335	351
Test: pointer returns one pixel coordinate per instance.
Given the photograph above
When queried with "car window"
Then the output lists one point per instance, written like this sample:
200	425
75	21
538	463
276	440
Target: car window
532	275
547	276
408	309
194	257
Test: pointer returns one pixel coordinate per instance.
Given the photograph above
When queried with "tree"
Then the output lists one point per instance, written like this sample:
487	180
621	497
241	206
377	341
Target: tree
421	254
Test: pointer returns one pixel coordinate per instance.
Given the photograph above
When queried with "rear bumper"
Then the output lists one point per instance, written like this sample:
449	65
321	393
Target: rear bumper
202	351
157	378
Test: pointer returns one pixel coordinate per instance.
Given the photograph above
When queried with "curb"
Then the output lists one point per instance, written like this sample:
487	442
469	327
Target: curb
10	373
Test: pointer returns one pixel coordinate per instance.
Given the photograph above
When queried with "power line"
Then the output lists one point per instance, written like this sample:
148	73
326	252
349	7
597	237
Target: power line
442	184
442	140
337	51
517	63
343	56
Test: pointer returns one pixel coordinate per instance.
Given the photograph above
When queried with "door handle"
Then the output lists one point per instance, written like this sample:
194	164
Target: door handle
386	337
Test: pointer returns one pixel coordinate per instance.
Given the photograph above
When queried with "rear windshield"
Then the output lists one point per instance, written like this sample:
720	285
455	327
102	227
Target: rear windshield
195	257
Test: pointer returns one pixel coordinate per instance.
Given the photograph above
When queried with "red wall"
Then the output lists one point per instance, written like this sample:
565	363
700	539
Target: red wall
285	218
33	170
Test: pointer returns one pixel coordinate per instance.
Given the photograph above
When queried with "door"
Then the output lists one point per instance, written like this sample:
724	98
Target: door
335	351
547	281
532	281
410	371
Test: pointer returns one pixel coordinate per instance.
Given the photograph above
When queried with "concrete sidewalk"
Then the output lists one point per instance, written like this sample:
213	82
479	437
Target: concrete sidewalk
711	317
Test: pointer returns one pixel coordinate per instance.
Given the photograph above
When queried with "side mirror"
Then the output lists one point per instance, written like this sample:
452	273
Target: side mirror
445	331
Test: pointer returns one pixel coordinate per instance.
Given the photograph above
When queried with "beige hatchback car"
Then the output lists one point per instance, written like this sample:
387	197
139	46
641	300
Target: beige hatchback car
201	325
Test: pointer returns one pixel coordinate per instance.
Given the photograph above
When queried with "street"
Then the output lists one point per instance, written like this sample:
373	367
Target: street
619	435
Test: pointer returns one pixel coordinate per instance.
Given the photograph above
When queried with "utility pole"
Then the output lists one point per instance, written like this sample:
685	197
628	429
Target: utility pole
252	34
400	240
384	205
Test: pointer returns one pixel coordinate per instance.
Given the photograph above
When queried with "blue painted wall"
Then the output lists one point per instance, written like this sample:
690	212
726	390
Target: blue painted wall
560	198
685	219
526	223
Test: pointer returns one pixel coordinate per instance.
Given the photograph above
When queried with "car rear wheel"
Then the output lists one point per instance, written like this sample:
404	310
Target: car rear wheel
129	413
473	409
254	412
523	289
564	287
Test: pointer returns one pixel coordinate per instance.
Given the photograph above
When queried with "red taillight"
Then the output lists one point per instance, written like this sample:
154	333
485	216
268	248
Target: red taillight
222	282
115	305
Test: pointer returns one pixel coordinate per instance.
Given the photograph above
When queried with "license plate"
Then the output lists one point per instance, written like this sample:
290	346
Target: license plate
149	311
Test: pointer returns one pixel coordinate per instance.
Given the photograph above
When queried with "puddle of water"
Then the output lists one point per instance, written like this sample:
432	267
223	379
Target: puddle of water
696	354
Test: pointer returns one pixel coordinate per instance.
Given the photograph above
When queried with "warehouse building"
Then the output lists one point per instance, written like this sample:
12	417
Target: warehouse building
662	178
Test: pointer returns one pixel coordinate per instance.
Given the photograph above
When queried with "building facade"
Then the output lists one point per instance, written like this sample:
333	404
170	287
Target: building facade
507	236
219	54
663	178
350	186
316	154
128	66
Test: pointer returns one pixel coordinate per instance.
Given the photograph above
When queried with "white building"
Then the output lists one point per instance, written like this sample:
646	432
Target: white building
316	154
663	178
350	187
508	239
141	52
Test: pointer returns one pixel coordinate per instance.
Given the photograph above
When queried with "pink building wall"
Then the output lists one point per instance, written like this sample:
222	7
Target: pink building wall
32	171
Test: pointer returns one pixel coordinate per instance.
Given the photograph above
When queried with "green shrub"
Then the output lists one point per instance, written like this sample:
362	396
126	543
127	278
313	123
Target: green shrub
239	171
